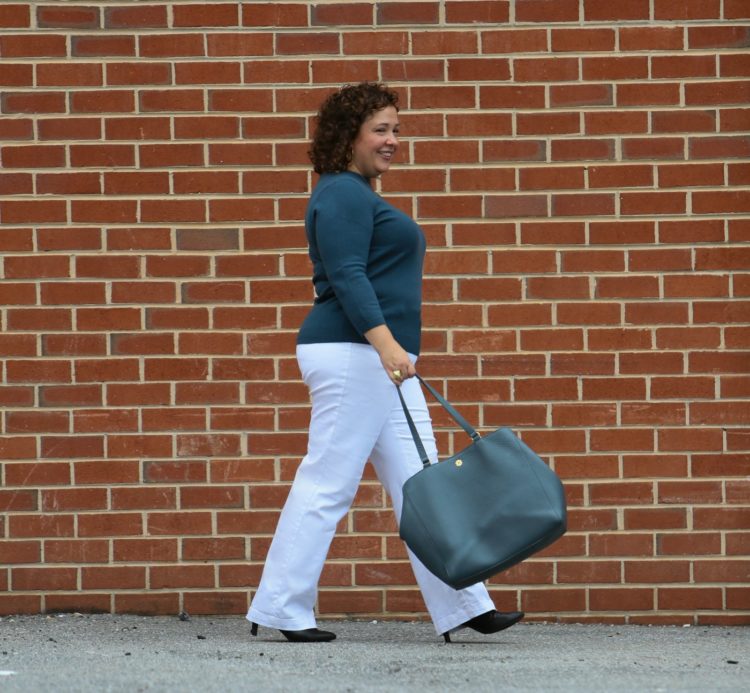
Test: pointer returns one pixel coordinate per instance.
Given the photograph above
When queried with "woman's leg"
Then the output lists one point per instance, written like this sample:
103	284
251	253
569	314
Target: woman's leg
395	459
351	399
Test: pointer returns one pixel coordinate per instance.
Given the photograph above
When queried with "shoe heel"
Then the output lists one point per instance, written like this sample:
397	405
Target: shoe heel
253	628
447	637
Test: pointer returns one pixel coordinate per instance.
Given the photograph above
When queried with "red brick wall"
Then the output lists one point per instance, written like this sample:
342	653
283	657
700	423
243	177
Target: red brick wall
581	170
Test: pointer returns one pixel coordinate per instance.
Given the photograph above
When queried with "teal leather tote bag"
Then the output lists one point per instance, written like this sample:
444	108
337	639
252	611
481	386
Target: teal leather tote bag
483	510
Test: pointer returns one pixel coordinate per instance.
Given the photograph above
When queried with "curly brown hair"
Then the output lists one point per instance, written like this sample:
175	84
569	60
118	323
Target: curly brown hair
339	119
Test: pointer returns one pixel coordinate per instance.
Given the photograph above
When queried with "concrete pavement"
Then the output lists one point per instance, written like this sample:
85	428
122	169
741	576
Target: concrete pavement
99	653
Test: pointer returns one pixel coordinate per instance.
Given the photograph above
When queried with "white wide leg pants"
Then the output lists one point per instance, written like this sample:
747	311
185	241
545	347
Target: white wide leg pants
356	415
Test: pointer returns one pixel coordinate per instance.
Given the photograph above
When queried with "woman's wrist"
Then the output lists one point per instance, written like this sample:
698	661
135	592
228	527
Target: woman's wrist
381	338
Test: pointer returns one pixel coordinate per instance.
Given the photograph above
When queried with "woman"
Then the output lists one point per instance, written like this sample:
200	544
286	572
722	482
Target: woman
359	340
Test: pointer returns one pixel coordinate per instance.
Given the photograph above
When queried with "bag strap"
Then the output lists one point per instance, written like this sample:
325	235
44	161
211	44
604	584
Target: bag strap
463	423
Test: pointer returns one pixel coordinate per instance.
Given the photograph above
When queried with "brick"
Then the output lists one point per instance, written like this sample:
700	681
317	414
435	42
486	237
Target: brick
177	472
679	439
545	340
619	122
143	292
16	396
57	500
653	148
110	472
648	94
76	74
173	44
659	571
546	11
593	261
213	549
651	38
181	211
33	46
70	395
180	523
273	15
614	544
553	600
620	68
583	204
154	100
556	69
20	551
613	388
413	13
23	102
17	75
666	413
689	598
206	14
103	46
207	393
309	43
687	9
160	604
490	289
656	518
16	128
726	36
350	602
47	525
161	577
38	156
102	101
137	128
582	40
216	602
47	579
625	10
669	67
15	16
553	178
722	571
40	421
735	9
719	147
582	150
105	420
727	310
15	501
339	14
482	11
735	386
140	17
711	93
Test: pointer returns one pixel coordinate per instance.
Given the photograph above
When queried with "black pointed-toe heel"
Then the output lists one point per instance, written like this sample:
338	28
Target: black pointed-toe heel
308	635
490	622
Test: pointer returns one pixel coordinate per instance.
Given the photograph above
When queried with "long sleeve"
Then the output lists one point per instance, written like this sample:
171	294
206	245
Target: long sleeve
343	234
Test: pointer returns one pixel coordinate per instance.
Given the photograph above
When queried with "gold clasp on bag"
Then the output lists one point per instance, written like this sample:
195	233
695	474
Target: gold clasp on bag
459	463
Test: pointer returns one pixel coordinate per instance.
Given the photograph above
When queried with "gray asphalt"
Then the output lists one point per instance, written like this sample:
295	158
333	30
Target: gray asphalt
74	652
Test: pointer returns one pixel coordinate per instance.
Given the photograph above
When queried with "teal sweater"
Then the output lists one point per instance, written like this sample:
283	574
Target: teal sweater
367	261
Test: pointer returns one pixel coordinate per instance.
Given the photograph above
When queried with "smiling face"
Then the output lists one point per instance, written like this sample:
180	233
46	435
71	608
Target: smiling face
376	143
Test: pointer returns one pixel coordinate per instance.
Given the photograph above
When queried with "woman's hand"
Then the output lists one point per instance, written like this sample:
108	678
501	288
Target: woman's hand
394	358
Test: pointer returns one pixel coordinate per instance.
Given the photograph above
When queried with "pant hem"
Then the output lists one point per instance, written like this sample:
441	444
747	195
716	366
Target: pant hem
256	616
455	620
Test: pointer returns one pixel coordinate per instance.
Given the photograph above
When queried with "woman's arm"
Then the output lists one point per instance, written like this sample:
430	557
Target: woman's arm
392	355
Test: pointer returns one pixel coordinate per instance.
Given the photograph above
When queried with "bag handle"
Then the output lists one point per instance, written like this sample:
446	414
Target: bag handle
463	423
